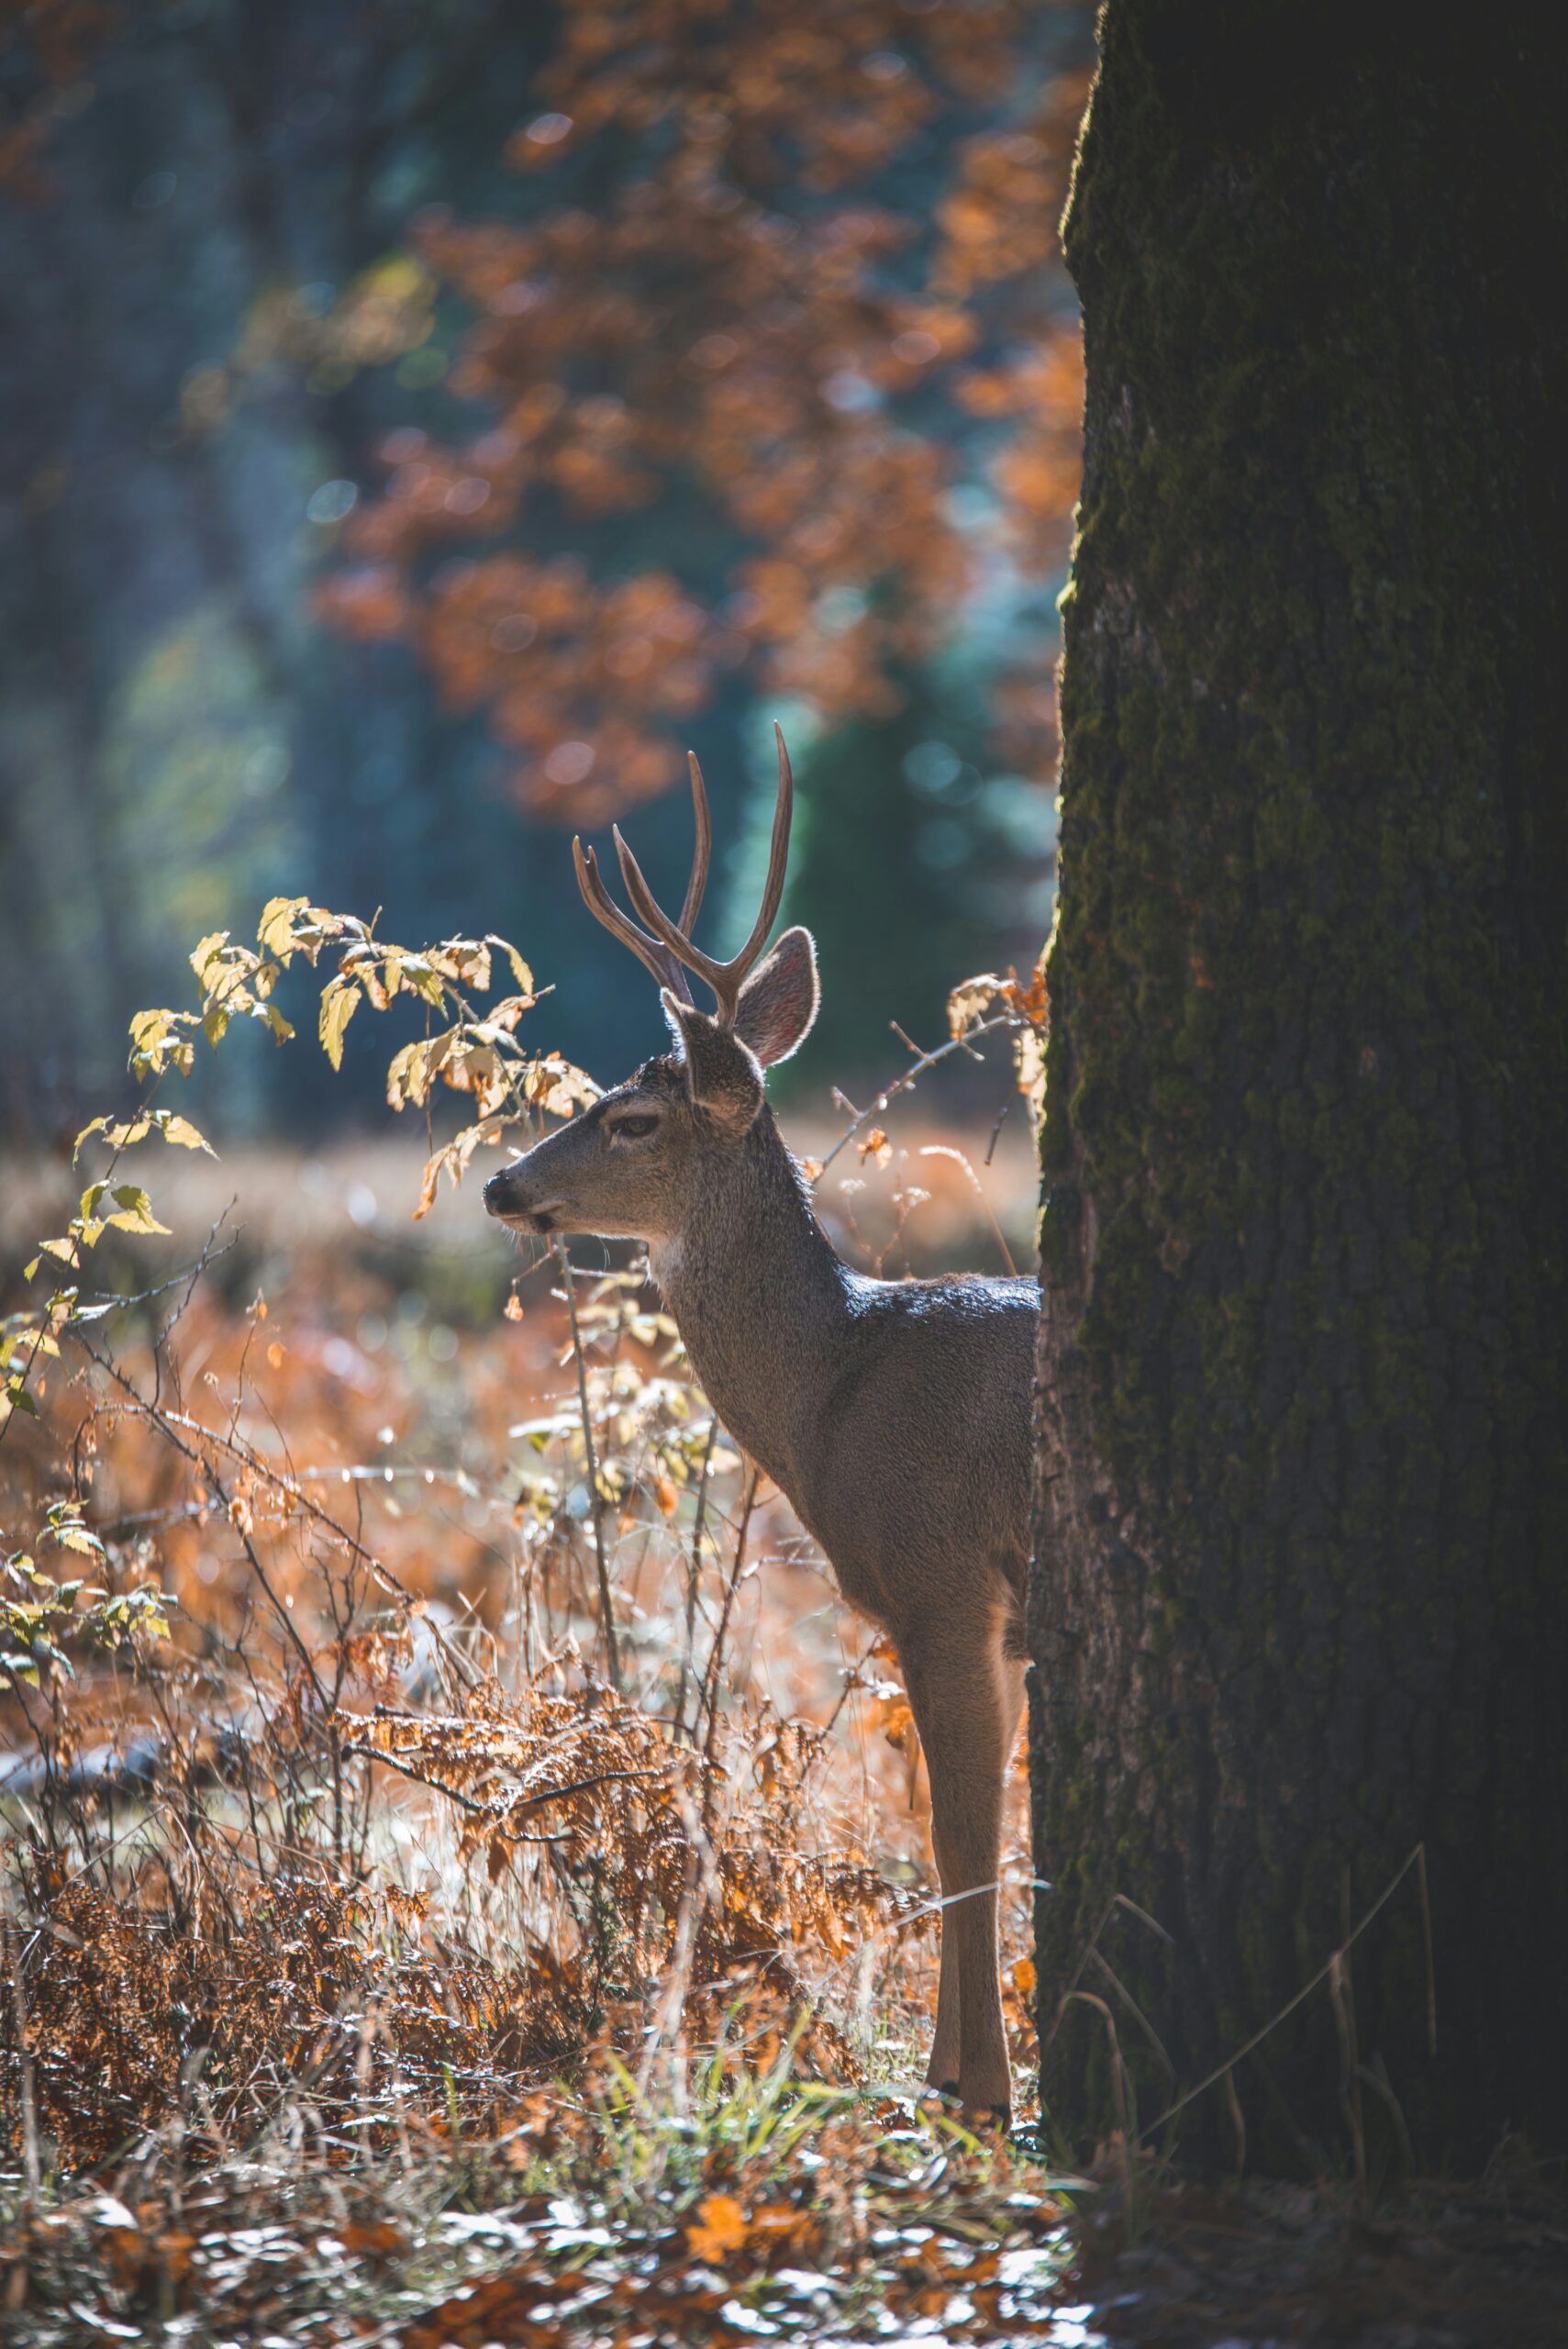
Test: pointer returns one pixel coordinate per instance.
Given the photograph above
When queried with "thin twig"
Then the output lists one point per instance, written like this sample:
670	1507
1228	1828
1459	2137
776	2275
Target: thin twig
170	1423
1335	1958
715	1654
32	2168
596	1506
693	1572
945	1149
964	1043
851	1682
114	1302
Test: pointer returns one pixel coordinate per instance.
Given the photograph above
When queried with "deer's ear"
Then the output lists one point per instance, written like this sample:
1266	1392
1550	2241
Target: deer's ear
722	1076
778	1002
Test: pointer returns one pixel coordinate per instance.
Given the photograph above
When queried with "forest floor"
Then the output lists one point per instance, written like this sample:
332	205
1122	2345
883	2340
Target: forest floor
373	1971
886	2229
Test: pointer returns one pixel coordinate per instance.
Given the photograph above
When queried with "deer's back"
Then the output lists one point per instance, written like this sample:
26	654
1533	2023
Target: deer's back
914	1473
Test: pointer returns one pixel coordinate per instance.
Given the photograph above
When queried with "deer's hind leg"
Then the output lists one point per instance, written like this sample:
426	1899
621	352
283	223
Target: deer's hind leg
967	1694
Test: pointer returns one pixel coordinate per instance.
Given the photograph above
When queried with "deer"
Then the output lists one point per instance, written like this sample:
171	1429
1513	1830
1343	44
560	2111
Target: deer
894	1415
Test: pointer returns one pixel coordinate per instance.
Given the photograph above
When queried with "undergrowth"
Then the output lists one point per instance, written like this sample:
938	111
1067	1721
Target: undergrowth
362	1879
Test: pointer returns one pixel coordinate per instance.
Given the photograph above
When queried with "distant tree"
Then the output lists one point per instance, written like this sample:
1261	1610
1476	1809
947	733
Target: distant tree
212	322
703	400
912	858
46	47
1300	1614
797	253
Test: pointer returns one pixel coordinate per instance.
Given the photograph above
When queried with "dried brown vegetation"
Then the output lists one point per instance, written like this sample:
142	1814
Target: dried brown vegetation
336	1866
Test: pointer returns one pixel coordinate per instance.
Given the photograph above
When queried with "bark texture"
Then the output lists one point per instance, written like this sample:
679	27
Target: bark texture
1301	1604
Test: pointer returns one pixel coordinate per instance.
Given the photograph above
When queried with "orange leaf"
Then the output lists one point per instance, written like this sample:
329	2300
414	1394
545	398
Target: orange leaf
721	2227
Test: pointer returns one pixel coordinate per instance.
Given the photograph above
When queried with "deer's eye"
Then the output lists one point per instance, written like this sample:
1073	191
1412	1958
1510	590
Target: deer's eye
633	1129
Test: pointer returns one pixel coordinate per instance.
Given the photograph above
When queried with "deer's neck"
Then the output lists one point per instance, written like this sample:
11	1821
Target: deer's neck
763	1302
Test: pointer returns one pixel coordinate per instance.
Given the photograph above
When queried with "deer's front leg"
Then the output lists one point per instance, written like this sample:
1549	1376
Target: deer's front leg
942	2070
966	1699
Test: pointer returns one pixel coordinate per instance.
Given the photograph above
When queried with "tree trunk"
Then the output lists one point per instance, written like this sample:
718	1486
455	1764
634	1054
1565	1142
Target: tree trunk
1301	1606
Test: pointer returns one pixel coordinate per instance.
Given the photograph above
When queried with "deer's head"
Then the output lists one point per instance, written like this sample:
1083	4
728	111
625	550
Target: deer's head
632	1166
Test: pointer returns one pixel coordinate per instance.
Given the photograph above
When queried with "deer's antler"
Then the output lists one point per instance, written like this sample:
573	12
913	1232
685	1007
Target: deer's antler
726	979
654	955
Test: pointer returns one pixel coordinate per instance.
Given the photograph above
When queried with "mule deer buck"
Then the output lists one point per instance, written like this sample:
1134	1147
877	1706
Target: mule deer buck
895	1415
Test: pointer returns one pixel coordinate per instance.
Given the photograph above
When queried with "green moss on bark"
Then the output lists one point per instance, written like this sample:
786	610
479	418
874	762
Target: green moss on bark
1302	1591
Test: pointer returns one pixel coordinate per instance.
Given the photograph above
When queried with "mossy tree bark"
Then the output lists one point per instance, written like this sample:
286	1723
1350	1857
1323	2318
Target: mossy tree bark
1301	1604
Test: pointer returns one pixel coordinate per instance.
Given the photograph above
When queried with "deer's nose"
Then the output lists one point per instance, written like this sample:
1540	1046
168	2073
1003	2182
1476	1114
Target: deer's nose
495	1192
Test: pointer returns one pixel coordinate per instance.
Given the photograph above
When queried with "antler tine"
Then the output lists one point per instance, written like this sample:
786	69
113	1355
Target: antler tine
651	952
654	956
778	858
726	979
698	881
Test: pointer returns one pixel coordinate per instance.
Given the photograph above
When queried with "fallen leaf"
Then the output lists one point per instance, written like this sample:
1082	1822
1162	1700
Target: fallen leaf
721	2227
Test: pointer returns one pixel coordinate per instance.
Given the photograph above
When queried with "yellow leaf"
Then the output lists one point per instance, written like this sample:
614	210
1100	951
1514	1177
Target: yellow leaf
65	1249
410	1071
117	1137
181	1134
134	1211
275	929
555	1085
454	1157
417	970
205	949
155	1042
466	961
520	970
502	1018
340	1001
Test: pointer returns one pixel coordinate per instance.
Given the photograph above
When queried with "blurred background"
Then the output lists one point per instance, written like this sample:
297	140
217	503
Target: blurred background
422	419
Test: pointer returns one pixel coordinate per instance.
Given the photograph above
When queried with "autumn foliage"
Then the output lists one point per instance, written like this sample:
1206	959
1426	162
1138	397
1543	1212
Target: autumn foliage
333	1807
725	304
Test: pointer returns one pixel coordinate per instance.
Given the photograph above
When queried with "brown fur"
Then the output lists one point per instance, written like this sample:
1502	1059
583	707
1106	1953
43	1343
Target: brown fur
895	1415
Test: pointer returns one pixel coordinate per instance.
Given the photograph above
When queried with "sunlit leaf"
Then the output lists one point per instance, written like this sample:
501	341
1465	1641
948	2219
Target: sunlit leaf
275	931
202	953
340	1001
521	971
180	1132
133	1210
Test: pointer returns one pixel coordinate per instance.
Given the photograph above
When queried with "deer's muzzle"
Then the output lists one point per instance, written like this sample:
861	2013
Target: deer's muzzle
506	1197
